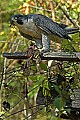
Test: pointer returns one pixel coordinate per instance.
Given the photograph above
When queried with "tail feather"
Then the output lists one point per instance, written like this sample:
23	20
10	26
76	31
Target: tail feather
71	30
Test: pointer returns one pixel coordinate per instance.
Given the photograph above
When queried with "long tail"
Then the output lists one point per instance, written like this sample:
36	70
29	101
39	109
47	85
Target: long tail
71	30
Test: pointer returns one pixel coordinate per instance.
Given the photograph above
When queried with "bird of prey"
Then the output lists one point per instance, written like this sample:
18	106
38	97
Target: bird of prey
41	29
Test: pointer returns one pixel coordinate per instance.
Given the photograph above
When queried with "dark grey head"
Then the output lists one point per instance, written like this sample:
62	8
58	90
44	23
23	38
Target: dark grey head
17	19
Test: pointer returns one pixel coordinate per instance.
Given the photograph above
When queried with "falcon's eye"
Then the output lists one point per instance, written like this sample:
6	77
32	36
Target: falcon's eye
19	21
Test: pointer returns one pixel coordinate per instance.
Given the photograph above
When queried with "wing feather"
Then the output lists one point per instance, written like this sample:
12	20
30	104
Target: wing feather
50	27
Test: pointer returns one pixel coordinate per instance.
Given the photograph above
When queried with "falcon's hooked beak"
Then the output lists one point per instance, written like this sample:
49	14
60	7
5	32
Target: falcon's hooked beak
13	20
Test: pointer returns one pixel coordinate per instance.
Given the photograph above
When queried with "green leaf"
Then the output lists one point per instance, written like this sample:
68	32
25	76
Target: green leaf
43	66
57	89
68	110
40	78
33	68
59	103
34	78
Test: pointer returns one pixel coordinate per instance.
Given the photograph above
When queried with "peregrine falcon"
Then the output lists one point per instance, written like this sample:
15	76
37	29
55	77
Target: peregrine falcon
41	29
